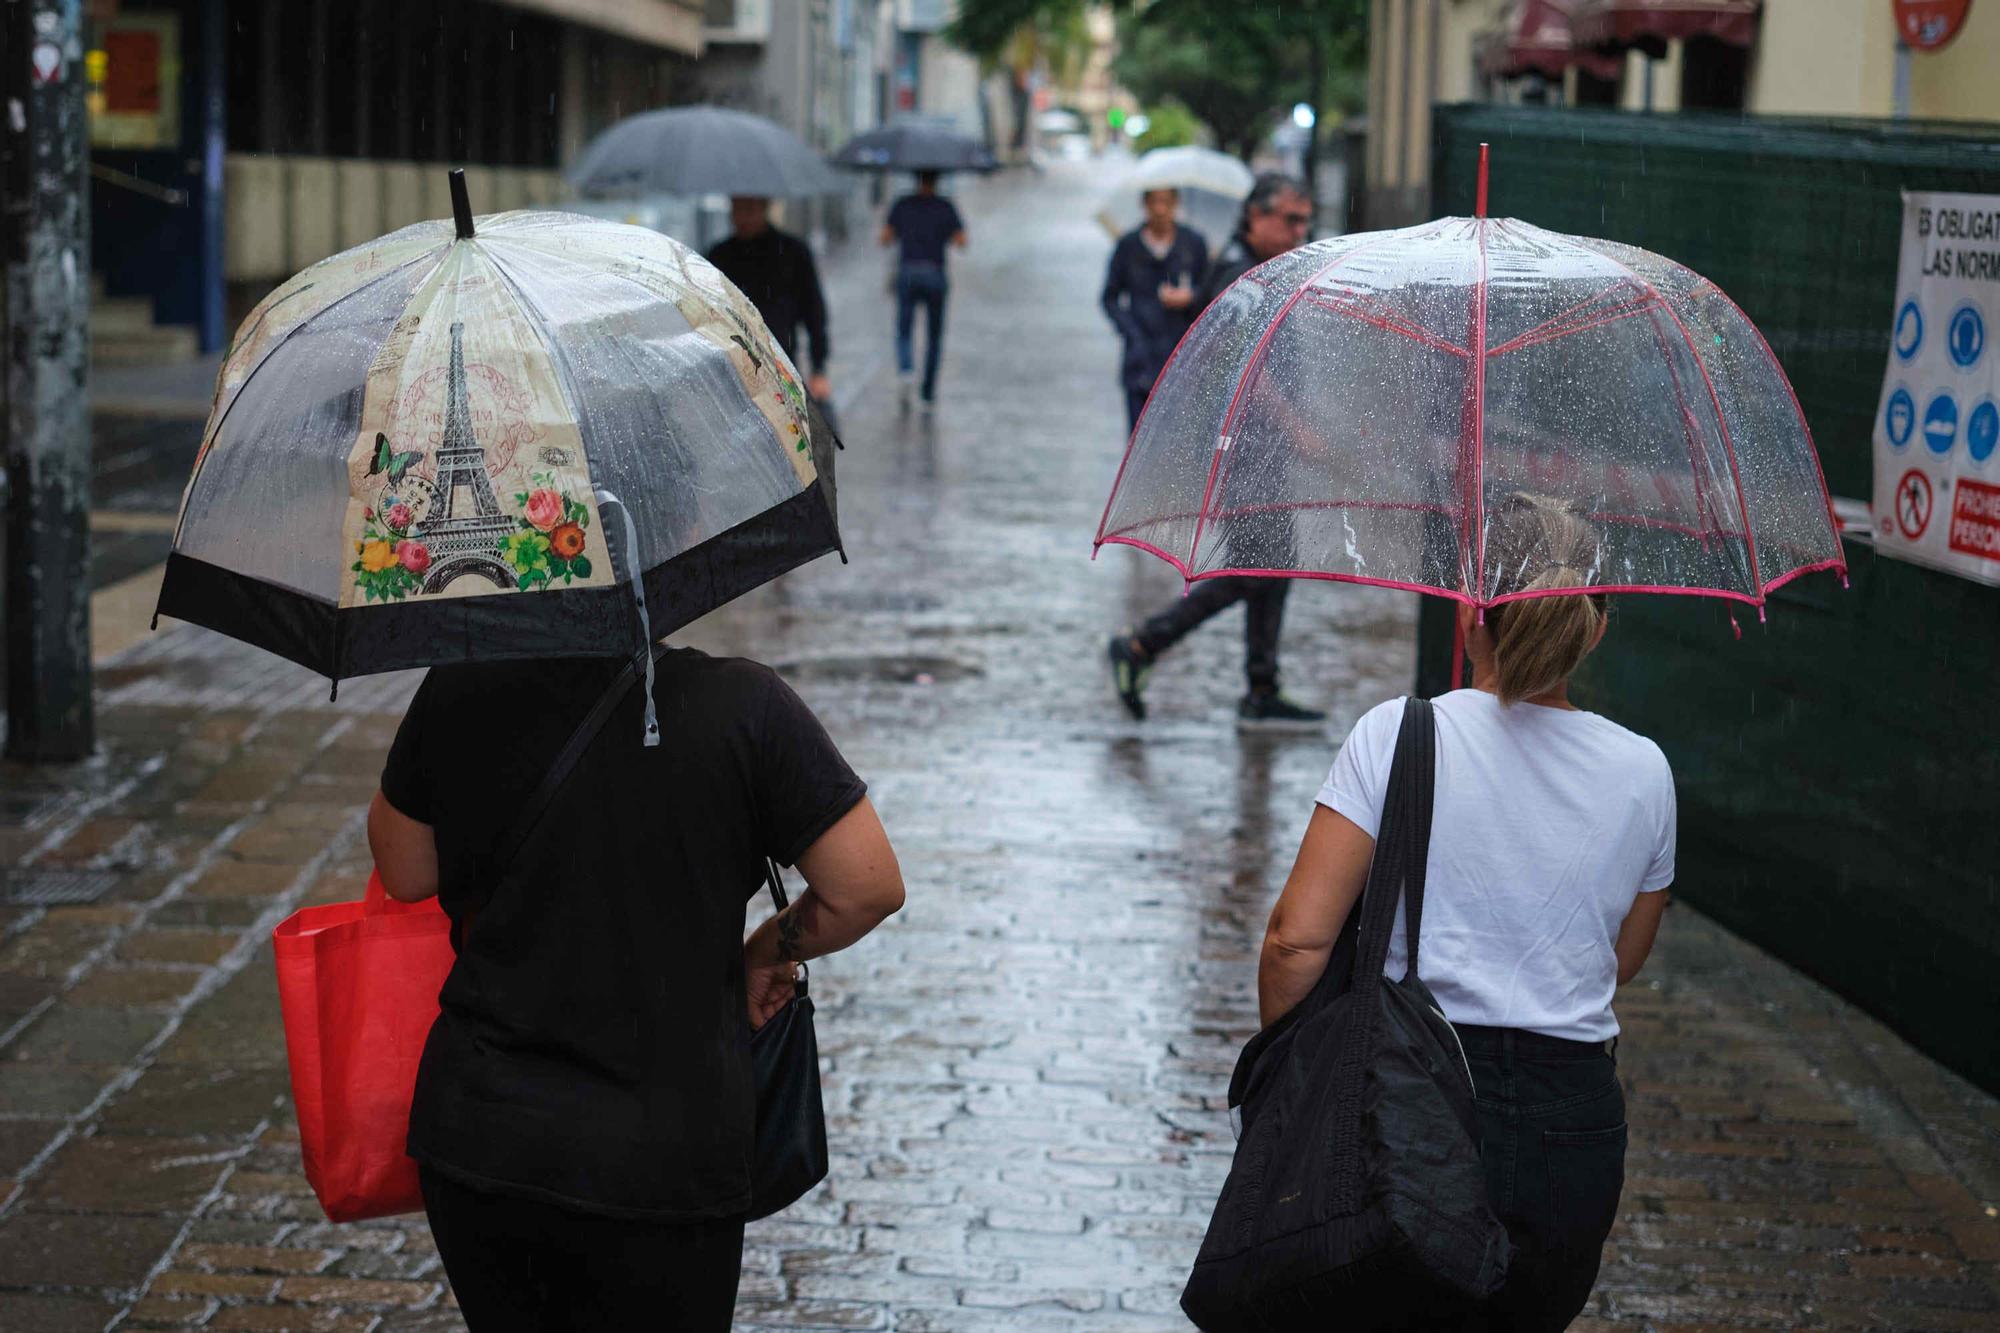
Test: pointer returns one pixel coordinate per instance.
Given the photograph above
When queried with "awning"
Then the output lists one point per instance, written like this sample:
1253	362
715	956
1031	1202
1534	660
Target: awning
1616	25
668	25
1534	37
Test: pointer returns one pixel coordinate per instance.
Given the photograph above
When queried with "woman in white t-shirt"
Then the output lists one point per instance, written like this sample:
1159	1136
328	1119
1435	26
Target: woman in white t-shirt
1552	841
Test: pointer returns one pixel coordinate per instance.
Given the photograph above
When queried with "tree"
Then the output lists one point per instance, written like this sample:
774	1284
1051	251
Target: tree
1236	64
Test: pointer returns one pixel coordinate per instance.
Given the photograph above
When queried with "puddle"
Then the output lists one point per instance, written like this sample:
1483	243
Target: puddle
892	669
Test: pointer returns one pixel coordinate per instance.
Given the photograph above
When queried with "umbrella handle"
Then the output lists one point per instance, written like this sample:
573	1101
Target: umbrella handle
606	500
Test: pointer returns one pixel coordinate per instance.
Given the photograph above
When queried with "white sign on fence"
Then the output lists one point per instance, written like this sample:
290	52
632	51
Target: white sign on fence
1937	476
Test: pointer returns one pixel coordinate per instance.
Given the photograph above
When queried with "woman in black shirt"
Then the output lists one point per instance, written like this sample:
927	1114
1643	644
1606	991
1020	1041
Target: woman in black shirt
584	1108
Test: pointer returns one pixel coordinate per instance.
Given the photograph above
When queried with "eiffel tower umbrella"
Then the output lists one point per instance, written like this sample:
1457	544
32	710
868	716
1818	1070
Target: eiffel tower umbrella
452	446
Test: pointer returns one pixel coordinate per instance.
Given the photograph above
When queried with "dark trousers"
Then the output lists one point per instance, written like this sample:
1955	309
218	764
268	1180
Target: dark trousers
920	285
519	1264
1552	1136
1263	618
1135	403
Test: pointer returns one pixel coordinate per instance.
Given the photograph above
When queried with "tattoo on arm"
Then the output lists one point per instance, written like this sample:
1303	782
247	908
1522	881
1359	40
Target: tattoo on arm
794	923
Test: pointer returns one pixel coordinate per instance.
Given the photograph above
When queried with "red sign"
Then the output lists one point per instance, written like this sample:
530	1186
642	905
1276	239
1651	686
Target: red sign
1926	25
1913	504
1975	519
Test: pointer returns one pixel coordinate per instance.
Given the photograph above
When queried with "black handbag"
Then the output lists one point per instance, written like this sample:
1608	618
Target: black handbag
1357	1194
790	1156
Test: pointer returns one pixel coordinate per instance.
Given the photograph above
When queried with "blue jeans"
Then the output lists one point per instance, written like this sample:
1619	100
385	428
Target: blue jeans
920	285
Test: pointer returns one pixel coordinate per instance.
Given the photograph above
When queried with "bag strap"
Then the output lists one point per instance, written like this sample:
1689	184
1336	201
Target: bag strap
538	802
774	879
1402	848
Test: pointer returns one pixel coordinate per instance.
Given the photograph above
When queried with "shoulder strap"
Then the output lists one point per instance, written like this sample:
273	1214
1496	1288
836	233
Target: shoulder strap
1402	842
558	773
1402	847
774	879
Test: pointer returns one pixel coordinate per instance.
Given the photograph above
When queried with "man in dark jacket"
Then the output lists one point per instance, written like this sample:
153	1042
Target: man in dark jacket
1277	217
1149	293
775	270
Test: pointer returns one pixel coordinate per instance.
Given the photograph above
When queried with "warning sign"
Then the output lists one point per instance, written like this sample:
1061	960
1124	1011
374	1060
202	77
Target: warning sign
1975	519
1937	423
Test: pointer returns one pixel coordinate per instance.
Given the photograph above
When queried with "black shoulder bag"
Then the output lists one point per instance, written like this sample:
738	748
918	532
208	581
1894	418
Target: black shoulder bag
790	1154
1357	1194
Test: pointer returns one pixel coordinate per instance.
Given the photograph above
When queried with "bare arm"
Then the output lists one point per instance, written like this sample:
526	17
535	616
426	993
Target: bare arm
1325	883
853	885
1636	935
405	852
958	238
887	235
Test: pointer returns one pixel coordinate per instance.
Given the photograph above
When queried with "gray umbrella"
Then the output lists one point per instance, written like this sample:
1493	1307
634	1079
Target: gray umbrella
693	150
914	147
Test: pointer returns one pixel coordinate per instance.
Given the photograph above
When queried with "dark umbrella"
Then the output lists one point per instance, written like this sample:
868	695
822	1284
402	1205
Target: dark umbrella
914	147
693	150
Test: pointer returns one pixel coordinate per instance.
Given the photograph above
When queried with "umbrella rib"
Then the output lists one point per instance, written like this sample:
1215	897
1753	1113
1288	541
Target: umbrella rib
1250	370
1833	525
1389	324
1476	509
201	458
1721	424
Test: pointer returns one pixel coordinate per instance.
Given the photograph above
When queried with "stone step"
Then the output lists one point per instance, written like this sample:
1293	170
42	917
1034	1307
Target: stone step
151	345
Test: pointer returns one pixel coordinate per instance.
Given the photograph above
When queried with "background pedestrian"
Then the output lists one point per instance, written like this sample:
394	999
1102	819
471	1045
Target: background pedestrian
1551	844
775	270
585	1105
1149	293
1277	217
921	225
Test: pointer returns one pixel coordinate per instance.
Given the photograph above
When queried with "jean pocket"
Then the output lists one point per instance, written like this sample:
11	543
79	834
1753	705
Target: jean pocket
1586	1176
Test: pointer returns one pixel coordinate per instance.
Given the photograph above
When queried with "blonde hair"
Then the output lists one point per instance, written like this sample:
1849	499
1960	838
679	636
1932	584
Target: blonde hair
1539	641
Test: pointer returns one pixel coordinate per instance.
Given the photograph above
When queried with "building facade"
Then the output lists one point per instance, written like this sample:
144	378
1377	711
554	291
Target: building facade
1821	58
234	142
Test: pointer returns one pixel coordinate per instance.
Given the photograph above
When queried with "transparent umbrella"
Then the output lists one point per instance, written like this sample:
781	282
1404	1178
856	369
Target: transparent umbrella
546	436
1369	408
1212	187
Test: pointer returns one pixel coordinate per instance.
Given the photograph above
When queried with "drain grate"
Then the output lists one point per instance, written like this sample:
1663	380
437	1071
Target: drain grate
56	888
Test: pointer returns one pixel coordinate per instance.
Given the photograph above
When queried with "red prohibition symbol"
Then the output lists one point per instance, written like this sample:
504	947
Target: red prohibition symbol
1913	504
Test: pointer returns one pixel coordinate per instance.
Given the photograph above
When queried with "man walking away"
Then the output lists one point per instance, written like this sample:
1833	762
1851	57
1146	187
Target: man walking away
775	270
1277	216
1149	293
922	224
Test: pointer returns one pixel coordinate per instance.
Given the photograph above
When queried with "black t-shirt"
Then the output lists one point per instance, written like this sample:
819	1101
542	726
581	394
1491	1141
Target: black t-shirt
924	223
593	1048
775	270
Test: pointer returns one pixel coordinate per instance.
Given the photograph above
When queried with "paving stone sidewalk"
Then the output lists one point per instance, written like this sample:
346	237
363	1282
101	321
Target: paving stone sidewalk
1025	1069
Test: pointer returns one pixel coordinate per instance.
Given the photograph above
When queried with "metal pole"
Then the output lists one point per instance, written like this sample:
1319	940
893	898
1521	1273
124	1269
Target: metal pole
1900	109
47	313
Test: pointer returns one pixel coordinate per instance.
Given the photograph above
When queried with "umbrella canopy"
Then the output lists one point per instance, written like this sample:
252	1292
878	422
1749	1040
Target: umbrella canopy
913	146
420	450
695	150
1213	187
1374	407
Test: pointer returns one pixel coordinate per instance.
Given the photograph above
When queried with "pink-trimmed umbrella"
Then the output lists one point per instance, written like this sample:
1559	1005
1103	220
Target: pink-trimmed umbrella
1367	407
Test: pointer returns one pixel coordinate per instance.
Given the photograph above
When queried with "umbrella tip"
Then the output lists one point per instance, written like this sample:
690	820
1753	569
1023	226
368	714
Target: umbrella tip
1481	202
461	204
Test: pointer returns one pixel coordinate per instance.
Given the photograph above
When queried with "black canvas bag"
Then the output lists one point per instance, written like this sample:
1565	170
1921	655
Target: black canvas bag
790	1155
1357	1194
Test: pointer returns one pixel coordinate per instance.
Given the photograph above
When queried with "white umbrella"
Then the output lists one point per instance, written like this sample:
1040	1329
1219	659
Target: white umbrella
1213	186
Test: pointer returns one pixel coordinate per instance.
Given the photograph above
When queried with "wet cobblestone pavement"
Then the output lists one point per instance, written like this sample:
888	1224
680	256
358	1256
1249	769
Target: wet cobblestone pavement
1025	1069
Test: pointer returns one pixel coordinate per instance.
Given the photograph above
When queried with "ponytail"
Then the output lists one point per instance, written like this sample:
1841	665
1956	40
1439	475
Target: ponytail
1539	640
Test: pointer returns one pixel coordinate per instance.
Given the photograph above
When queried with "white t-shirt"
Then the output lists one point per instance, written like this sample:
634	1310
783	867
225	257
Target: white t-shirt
1547	825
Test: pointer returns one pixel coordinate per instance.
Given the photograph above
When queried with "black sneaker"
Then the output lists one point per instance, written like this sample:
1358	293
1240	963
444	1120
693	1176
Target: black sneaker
1129	669
1274	712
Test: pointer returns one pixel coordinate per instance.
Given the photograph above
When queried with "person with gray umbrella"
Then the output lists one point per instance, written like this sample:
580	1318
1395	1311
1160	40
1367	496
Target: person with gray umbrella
775	270
922	224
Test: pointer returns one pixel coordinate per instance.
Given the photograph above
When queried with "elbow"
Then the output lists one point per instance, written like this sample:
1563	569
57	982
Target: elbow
1628	971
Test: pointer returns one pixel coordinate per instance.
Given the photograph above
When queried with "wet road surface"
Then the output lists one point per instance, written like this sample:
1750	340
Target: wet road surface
1025	1069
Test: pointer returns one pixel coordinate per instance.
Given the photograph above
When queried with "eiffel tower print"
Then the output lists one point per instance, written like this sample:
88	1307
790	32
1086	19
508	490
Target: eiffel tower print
466	526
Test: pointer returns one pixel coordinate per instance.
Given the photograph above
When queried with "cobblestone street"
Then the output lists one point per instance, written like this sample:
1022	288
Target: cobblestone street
1025	1069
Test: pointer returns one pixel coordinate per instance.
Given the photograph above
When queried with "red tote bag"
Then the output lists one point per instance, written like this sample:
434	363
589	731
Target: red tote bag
359	983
